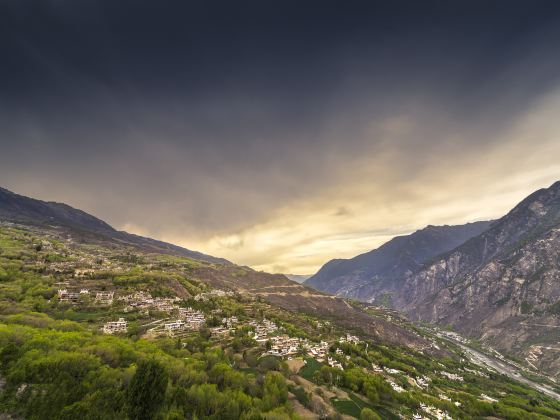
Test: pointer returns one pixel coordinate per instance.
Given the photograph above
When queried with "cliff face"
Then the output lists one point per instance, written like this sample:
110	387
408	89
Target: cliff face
503	285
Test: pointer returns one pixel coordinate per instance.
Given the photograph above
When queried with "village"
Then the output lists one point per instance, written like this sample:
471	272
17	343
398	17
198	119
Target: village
113	294
172	316
181	320
273	341
186	319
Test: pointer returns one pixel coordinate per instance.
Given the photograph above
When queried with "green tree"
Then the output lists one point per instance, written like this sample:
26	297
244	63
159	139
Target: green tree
147	390
275	390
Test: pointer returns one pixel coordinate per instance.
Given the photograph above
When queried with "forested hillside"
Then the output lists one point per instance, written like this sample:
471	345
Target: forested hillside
90	331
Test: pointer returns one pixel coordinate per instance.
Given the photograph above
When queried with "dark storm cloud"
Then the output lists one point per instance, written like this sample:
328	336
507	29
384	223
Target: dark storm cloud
203	117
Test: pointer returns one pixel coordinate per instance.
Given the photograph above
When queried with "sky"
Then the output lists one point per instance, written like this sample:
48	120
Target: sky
280	134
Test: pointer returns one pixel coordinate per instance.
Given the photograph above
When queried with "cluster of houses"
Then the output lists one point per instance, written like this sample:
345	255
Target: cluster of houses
220	331
64	295
80	266
476	372
397	388
174	326
284	346
451	376
194	320
423	382
263	329
432	411
318	351
144	302
76	296
230	322
349	339
188	320
334	363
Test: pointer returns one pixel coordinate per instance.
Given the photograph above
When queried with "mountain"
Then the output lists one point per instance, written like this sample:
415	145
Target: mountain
86	316
502	286
18	208
82	323
376	275
60	220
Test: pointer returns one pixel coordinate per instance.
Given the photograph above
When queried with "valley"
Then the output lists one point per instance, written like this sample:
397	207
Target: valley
219	329
500	285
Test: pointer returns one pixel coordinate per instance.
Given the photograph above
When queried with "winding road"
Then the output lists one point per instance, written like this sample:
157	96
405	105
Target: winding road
504	368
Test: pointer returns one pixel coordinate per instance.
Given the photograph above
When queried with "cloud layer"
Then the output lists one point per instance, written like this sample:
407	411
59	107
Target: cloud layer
280	136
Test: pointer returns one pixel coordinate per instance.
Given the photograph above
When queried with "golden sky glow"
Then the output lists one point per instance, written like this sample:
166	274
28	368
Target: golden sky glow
271	139
368	204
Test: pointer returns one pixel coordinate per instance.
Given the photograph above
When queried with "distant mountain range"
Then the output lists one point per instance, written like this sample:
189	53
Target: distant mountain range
18	208
298	278
375	275
498	281
502	285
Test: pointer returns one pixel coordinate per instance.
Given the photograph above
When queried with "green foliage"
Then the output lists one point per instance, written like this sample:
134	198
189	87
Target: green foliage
526	307
58	365
146	391
348	407
369	414
275	390
69	374
308	371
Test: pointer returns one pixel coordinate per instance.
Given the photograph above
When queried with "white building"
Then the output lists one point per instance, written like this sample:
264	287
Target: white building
230	322
176	325
350	339
113	327
65	296
334	363
194	319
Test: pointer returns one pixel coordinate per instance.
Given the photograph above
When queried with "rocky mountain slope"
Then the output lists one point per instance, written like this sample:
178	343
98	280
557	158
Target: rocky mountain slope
377	274
502	286
18	208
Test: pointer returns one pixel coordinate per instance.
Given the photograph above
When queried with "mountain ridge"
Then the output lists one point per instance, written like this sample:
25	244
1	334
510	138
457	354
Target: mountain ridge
19	208
275	288
502	286
367	276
